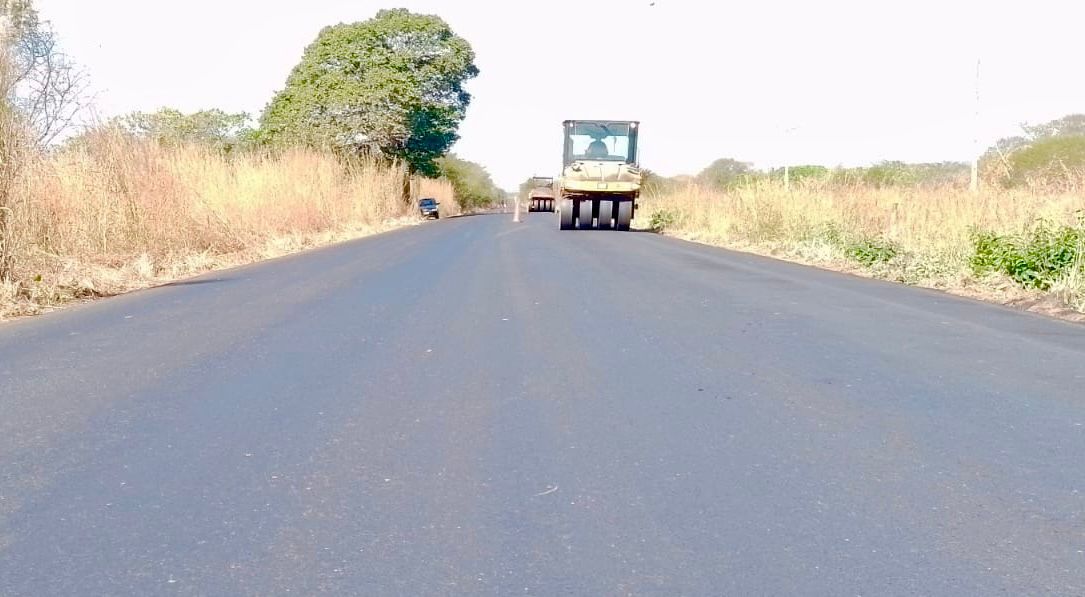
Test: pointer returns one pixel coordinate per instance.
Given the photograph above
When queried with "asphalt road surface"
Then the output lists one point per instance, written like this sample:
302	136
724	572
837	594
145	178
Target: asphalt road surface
473	406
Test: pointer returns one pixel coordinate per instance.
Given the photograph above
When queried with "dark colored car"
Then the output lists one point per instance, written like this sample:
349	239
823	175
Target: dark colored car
428	208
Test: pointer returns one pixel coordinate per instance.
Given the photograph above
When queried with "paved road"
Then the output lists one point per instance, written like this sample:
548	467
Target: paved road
474	406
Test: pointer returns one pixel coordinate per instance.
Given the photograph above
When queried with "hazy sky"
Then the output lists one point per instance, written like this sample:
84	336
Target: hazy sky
862	80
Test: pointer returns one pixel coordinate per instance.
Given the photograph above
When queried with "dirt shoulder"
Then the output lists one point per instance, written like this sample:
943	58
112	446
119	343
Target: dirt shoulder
64	281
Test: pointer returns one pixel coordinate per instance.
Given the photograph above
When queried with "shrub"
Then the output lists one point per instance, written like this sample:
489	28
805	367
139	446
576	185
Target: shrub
1038	258
663	219
872	251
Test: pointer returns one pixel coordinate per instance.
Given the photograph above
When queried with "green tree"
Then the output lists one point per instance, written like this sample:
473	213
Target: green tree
169	126
653	183
1072	125
392	85
889	174
1047	160
525	188
471	182
530	184
1050	152
724	172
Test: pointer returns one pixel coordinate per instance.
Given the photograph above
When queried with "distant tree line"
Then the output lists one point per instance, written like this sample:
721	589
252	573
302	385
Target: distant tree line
1048	154
471	182
728	173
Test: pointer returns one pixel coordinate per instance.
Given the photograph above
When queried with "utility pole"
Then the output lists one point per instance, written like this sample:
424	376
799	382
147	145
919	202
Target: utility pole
974	183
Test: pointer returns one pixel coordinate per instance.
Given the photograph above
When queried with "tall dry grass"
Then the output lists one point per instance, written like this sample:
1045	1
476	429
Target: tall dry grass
114	212
912	235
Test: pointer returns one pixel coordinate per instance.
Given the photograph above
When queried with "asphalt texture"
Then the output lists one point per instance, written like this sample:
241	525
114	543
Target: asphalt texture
475	406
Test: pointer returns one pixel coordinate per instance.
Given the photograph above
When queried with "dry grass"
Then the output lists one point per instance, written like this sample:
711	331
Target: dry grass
915	236
440	190
117	213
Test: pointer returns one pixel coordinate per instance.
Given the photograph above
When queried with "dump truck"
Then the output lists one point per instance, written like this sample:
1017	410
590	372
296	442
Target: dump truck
601	178
541	195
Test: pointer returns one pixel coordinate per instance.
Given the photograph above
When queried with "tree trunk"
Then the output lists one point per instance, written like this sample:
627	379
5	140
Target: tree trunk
9	164
407	195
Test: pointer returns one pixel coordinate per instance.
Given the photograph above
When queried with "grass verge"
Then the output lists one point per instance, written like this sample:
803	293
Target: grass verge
116	213
1021	247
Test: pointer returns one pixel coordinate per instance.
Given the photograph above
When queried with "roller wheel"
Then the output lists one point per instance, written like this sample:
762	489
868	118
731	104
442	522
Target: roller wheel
565	214
584	215
625	215
606	214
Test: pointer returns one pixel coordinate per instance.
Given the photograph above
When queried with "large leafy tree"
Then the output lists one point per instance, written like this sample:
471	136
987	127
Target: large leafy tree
391	85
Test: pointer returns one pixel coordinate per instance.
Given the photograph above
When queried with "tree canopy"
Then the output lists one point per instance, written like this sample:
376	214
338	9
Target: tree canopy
471	182
723	172
169	126
1047	152
392	85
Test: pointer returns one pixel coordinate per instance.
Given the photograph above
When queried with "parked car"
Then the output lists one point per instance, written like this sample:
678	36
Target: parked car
428	208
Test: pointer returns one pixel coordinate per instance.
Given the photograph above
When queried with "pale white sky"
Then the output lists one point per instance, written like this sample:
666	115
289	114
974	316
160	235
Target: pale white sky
863	80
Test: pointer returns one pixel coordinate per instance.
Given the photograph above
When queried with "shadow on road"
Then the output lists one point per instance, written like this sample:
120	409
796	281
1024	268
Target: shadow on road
196	282
484	213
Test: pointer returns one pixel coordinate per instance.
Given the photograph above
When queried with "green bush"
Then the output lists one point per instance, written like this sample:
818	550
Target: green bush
989	250
1035	259
872	251
663	219
829	232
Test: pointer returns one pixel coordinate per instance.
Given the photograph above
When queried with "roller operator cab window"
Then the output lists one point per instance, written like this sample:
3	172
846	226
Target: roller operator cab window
600	141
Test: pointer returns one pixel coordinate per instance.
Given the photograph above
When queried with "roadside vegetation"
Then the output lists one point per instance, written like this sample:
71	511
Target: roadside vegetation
150	197
1019	240
114	213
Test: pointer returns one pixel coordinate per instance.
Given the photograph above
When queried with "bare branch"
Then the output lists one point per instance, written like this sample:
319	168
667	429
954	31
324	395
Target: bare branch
47	87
